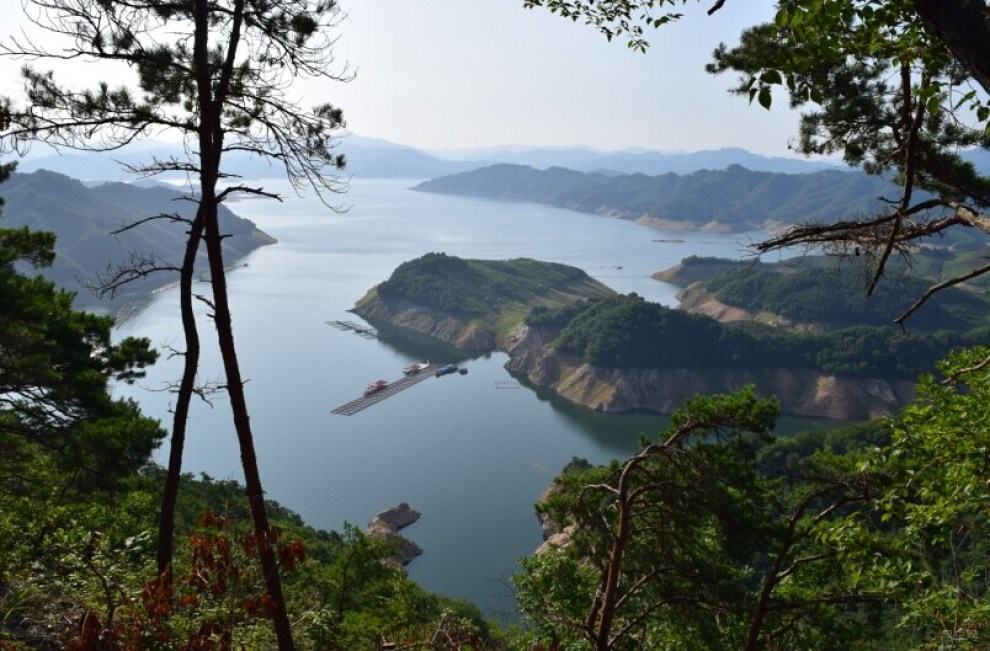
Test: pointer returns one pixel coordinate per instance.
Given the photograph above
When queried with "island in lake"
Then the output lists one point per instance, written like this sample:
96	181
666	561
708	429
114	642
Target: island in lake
615	353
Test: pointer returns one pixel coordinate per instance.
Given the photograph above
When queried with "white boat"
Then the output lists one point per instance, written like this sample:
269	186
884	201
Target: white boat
413	369
375	387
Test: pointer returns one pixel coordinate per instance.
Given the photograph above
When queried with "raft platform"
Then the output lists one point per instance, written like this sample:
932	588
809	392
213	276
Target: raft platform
354	406
365	331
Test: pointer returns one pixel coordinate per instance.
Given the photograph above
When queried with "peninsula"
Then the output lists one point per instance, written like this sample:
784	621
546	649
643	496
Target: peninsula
473	304
83	219
613	353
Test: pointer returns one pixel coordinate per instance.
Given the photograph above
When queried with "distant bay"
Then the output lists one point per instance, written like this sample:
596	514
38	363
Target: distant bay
471	452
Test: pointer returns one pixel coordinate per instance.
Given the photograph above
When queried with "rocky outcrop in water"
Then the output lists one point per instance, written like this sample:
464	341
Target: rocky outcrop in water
386	526
473	335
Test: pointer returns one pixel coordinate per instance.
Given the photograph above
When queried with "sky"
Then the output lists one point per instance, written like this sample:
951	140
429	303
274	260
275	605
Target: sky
457	74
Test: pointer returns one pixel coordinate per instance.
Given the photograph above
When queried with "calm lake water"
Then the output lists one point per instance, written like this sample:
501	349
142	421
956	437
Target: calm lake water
471	452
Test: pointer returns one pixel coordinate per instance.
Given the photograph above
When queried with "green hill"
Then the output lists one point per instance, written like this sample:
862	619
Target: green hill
83	219
817	290
494	294
627	332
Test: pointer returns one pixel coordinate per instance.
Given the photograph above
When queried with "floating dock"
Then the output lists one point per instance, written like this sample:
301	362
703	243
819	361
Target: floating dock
354	406
365	331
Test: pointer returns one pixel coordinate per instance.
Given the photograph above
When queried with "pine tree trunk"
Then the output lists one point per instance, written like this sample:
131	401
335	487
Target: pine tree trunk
166	524
210	142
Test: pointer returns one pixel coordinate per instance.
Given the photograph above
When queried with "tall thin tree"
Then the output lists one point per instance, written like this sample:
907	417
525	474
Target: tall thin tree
222	85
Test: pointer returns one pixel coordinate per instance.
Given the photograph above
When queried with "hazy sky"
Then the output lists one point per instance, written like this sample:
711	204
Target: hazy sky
439	74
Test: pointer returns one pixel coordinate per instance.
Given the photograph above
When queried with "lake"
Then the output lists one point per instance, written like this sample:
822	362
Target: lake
471	452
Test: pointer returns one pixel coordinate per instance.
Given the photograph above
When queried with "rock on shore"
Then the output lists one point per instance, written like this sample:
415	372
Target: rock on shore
472	335
386	526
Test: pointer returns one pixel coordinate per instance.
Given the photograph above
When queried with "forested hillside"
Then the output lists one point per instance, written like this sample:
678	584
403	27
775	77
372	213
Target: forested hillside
84	220
820	292
629	332
732	200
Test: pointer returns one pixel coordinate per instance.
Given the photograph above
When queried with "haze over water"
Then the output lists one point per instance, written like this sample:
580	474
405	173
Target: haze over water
471	452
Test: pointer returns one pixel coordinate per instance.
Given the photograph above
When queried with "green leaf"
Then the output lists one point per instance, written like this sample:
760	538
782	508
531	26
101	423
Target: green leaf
765	97
771	77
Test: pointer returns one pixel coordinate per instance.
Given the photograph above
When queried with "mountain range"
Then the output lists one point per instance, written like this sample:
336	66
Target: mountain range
373	158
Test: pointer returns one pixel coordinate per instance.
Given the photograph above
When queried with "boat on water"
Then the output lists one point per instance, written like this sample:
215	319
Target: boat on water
375	387
413	369
446	370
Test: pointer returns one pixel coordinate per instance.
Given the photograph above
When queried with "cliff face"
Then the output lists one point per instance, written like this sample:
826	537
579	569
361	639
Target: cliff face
803	392
471	335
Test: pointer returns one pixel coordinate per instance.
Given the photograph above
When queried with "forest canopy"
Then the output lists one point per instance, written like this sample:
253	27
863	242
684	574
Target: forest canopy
630	332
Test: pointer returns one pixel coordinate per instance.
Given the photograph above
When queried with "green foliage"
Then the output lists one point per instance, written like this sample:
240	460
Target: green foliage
435	280
890	86
614	17
629	332
542	316
934	511
712	550
816	291
555	588
870	536
720	533
63	555
57	364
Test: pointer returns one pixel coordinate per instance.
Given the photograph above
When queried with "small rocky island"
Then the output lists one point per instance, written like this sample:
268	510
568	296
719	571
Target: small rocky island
612	353
386	526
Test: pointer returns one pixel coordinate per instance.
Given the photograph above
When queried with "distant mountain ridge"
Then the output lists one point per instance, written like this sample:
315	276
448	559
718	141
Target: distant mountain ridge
735	199
83	219
638	161
374	158
366	158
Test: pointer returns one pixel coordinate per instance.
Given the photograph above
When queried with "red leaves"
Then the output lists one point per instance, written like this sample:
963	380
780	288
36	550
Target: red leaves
94	635
250	606
211	519
291	553
221	577
156	597
211	636
268	605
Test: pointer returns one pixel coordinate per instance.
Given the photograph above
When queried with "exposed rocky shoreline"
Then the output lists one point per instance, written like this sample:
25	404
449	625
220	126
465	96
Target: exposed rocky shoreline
801	391
472	335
